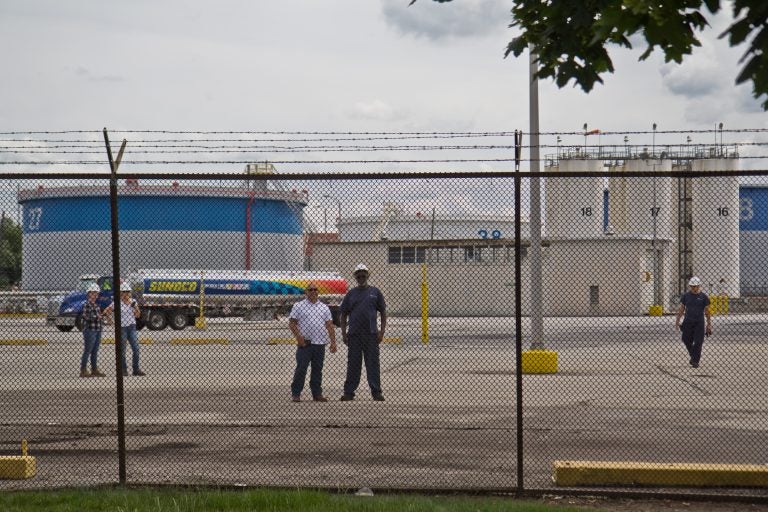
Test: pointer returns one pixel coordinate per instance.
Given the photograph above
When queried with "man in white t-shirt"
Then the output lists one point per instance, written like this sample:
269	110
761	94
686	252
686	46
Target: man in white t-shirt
311	323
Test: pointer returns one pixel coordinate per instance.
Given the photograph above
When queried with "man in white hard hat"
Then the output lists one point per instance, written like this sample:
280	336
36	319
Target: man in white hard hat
129	312
694	304
361	334
93	323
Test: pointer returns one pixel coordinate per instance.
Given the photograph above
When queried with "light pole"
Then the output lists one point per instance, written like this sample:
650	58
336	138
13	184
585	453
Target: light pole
626	147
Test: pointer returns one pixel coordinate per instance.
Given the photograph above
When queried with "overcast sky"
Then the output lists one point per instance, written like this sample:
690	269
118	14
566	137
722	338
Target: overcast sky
333	65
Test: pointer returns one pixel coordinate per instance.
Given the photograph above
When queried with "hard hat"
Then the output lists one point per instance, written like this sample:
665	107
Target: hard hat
125	287
93	288
360	268
695	281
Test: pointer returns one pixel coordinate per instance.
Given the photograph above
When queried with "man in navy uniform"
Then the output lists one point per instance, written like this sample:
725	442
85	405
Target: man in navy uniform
695	305
361	334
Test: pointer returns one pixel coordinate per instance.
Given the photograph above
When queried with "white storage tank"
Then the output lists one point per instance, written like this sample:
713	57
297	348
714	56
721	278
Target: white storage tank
715	220
642	206
574	206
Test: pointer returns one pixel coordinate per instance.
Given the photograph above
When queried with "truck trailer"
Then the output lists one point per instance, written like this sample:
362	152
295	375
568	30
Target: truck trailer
176	297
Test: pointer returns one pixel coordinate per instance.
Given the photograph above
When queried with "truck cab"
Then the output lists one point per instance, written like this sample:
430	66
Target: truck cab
71	307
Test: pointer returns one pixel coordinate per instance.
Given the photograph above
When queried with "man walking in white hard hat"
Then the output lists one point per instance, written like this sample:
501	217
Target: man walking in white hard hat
694	304
362	335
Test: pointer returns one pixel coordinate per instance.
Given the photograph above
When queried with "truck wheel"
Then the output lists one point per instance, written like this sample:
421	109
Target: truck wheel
177	320
65	328
156	321
79	323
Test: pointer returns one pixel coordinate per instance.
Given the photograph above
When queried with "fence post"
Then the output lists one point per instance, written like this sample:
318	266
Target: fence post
518	318
115	298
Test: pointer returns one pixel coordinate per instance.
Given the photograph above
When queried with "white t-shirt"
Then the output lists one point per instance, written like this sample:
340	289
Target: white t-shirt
126	314
312	319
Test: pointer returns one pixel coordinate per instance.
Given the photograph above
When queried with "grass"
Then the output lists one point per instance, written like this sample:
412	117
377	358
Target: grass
180	500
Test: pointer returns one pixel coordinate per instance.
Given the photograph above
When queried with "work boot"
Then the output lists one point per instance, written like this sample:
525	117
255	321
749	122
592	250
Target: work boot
96	373
84	372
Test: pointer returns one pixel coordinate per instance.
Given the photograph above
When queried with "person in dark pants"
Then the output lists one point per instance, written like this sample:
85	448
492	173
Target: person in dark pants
311	323
360	333
93	322
695	306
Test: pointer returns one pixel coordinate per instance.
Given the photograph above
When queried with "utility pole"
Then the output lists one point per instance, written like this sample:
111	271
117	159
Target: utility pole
534	224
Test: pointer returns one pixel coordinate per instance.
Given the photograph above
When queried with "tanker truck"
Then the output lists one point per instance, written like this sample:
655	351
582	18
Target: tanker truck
175	297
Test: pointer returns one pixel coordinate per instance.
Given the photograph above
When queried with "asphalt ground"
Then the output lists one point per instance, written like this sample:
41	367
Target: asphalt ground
221	414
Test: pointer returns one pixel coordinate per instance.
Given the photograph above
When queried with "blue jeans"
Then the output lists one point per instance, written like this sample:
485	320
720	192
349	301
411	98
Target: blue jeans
129	334
91	342
693	338
359	347
313	355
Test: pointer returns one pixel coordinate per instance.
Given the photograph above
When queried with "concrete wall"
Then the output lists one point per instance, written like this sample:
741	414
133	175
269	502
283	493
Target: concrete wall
617	266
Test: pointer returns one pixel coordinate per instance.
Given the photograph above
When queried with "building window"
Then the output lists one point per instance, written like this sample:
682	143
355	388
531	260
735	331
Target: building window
421	254
394	255
594	295
409	254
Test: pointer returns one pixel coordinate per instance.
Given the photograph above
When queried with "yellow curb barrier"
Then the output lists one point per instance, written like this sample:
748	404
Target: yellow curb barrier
22	315
24	341
18	467
281	341
142	341
539	361
656	310
599	473
199	341
392	339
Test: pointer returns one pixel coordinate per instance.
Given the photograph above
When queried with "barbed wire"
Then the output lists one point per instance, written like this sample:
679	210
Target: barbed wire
368	135
183	149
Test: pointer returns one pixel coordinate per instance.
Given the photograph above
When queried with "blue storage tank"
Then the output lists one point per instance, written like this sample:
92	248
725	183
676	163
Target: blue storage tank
753	239
66	230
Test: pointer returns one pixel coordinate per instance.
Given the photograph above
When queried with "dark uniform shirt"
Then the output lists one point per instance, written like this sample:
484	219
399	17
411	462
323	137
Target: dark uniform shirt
694	306
362	303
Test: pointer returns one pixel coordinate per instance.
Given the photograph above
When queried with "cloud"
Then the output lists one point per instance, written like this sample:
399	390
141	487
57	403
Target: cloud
376	110
436	21
693	80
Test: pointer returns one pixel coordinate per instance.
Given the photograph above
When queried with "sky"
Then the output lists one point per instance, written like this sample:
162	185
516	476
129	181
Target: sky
331	65
337	65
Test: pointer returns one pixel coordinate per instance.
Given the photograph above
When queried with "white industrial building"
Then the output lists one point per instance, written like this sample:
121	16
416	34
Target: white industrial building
661	231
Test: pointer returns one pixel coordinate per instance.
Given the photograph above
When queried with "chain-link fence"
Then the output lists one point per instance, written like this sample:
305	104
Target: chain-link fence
213	268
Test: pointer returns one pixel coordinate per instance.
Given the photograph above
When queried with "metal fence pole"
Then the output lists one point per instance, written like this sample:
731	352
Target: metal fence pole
518	318
115	299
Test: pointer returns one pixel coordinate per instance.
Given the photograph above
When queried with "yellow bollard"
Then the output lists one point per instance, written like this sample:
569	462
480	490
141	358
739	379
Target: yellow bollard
200	320
23	447
724	300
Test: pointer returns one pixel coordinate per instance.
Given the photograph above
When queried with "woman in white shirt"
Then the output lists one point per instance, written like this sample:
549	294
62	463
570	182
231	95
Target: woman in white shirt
129	312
